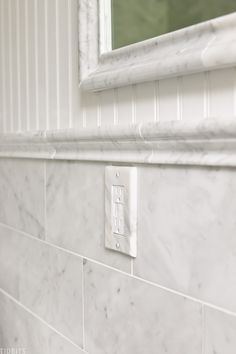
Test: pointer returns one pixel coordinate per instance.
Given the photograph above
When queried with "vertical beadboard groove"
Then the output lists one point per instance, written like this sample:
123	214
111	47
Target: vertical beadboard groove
18	41
3	67
69	34
99	109
84	116
1	84
57	67
46	65
10	65
134	99
27	63
156	102
35	76
36	64
115	115
179	98
206	95
235	92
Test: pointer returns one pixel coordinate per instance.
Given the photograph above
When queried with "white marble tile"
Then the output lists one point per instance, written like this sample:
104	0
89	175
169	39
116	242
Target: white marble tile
186	231
22	195
20	329
124	315
75	210
46	280
220	330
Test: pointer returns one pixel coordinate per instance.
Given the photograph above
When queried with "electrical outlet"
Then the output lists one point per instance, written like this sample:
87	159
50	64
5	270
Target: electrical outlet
121	209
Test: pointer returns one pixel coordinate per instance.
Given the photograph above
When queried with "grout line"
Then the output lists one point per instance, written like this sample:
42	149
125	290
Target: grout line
134	103
18	63
3	292
203	330
46	64
36	63
10	64
57	67
206	103
27	64
156	102
83	307
172	291
3	68
179	98
69	38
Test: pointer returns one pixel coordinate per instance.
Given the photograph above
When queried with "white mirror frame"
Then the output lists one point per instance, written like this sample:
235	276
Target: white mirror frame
205	46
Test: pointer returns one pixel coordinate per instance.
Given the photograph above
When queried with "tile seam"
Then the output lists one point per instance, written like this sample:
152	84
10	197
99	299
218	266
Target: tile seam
169	290
13	299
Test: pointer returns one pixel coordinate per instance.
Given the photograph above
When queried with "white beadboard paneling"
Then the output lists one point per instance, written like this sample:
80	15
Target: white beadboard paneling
90	102
75	119
125	101
193	97
10	58
7	63
31	66
221	93
41	63
2	71
146	102
63	63
13	44
168	103
51	63
18	76
22	59
39	79
107	103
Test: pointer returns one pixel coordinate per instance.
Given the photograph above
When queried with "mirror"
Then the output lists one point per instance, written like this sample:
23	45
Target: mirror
136	20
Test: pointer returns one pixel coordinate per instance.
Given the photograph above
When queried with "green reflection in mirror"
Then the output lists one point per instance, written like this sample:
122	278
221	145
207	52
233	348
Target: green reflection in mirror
136	20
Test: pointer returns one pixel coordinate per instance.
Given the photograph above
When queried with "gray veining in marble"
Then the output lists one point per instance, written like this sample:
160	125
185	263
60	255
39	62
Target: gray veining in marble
186	231
19	329
124	315
208	142
46	280
75	211
22	195
192	49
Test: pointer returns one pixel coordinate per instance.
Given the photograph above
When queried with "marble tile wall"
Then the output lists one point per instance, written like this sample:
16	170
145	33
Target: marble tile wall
61	291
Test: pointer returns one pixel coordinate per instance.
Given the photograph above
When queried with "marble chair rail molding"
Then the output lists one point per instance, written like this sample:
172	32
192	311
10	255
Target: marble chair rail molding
209	142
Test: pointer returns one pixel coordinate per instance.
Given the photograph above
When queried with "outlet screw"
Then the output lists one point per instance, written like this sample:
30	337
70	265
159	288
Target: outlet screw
117	245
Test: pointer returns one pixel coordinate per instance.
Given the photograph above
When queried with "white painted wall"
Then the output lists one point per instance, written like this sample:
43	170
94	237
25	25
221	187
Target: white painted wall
39	78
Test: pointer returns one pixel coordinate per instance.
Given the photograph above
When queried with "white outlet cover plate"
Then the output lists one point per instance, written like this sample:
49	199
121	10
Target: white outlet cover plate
121	209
